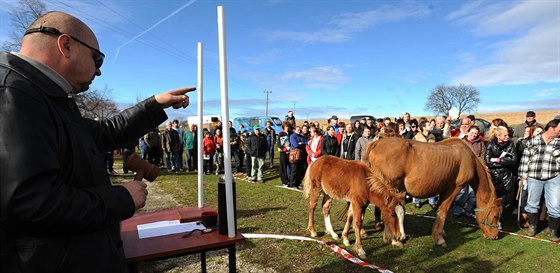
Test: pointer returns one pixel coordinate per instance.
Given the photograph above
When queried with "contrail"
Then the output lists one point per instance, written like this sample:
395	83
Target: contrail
152	27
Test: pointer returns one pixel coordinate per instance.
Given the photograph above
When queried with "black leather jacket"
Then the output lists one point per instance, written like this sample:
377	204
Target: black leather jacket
59	210
503	172
329	146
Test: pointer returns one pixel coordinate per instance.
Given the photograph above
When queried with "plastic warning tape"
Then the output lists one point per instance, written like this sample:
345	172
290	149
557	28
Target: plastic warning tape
355	260
333	247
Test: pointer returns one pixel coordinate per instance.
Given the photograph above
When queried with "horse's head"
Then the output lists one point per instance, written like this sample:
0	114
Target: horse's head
488	218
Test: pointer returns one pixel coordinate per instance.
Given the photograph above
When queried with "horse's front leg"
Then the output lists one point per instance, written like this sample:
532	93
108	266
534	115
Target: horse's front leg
349	218
357	213
327	200
400	212
446	200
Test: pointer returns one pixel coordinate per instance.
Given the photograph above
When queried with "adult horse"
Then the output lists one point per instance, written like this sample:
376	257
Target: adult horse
429	169
348	180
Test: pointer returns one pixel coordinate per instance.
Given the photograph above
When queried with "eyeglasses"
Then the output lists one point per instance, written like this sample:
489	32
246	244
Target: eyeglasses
413	126
98	56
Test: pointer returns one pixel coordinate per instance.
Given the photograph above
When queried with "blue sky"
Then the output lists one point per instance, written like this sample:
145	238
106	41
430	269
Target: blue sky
327	57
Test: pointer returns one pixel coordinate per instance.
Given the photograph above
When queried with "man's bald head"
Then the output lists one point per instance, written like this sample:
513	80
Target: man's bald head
64	22
68	52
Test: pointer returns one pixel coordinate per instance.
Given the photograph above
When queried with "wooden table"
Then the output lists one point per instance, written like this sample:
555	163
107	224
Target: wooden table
173	245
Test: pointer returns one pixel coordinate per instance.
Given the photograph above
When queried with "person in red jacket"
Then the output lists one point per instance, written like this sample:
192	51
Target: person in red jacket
208	150
313	147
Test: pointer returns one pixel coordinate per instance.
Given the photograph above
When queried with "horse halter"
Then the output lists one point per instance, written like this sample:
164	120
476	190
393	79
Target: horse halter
486	223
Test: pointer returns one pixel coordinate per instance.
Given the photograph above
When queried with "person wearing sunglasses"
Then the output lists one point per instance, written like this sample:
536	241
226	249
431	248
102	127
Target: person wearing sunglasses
59	209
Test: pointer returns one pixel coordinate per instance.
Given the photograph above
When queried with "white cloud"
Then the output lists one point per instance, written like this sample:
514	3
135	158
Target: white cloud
513	106
324	77
532	52
548	92
343	26
262	58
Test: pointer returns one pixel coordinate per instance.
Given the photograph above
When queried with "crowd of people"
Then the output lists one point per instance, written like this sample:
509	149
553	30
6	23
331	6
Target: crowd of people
508	153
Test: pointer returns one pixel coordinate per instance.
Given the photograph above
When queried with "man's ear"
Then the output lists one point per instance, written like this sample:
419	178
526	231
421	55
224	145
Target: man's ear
63	42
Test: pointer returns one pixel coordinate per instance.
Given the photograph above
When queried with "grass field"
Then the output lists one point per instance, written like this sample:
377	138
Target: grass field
268	209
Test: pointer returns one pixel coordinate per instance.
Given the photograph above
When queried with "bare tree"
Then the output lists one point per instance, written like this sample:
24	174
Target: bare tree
95	104
22	16
442	98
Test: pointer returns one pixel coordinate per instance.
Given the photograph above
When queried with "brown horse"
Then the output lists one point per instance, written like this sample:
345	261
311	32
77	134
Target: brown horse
429	169
348	180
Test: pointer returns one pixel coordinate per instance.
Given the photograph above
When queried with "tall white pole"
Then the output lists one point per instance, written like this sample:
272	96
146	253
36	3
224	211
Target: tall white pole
225	120
199	131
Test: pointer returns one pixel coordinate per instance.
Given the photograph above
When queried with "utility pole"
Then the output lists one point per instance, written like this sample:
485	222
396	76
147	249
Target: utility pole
267	93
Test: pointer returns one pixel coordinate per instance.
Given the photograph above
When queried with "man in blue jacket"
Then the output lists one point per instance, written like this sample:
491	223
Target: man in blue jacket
59	211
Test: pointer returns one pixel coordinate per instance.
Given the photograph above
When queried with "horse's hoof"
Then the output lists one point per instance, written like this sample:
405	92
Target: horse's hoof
334	236
441	243
313	234
362	254
346	242
398	244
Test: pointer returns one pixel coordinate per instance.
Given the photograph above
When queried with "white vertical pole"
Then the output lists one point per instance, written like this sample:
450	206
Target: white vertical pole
225	121
199	131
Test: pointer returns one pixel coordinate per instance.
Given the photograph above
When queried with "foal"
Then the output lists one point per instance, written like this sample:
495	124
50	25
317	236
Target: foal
348	180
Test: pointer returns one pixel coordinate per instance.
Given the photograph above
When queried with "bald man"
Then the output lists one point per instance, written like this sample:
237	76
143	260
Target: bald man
59	210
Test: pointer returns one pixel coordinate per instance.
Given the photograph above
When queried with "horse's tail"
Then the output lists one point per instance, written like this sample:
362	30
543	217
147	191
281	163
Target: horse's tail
380	185
375	177
365	155
344	211
307	183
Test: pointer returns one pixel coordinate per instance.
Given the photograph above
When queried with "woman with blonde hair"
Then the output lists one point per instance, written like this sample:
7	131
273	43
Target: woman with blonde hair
406	118
501	159
493	125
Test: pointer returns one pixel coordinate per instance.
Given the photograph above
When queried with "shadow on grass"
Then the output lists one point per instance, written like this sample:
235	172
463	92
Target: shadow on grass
253	212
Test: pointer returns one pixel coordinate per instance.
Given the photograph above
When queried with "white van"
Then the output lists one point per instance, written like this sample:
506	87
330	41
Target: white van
249	122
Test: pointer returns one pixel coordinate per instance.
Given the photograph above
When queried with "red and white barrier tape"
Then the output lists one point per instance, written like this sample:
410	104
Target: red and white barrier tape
501	231
357	261
333	247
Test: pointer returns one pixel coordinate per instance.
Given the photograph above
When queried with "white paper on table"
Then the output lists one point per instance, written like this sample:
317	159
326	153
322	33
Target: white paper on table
165	228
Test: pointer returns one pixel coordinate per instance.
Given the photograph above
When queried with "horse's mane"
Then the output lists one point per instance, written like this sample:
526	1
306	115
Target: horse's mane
482	165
